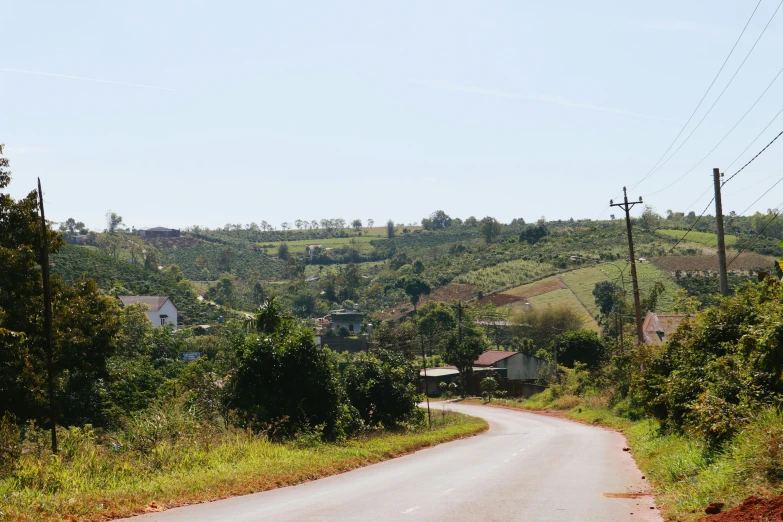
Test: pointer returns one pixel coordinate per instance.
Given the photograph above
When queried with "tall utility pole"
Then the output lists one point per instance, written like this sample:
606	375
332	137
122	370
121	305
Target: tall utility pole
426	393
47	291
722	270
627	206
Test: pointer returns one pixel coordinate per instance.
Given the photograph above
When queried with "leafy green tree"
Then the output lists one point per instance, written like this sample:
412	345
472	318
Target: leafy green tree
683	303
489	385
435	321
720	367
390	229
284	384
223	291
113	222
381	387
352	280
436	221
490	228
282	251
471	221
356	224
418	267
534	233
606	295
259	293
582	346
227	258
649	220
463	354
414	287
271	318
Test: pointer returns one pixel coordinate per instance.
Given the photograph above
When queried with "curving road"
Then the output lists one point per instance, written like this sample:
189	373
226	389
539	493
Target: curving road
526	467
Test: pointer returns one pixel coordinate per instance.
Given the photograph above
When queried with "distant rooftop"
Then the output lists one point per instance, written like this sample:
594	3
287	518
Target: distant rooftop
155	302
491	357
161	229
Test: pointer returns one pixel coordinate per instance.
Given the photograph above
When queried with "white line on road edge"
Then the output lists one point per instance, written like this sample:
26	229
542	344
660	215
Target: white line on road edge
448	491
410	510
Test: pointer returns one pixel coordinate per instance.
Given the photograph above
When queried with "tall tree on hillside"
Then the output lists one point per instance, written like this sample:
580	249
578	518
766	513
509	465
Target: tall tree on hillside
73	226
390	229
298	224
490	228
370	223
437	220
414	287
113	222
283	252
227	257
285	226
356	224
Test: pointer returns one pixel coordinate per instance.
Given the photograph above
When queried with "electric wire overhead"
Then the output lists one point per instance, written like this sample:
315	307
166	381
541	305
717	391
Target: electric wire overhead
754	238
657	166
751	160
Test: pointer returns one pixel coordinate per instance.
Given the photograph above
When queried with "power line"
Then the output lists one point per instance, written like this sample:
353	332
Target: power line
724	137
702	98
732	219
773	218
722	185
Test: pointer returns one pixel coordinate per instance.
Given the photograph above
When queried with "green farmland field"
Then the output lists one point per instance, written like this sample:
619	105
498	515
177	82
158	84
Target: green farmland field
582	282
506	275
704	239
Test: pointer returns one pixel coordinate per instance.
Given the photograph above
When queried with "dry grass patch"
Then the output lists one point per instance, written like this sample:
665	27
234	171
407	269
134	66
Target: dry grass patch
91	481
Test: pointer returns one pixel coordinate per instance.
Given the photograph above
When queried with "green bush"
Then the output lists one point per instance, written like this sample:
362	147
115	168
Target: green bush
382	389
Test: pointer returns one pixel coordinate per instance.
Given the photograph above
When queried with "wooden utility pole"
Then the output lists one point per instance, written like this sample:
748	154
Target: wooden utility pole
424	365
722	270
47	294
626	206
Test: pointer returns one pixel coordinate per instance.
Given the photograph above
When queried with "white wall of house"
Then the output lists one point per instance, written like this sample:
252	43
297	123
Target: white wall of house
168	310
521	367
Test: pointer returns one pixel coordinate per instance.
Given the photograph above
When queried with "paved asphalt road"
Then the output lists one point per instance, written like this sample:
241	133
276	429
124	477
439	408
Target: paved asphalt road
526	467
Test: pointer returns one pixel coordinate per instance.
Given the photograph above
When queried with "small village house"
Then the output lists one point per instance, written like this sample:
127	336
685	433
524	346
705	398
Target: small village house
519	367
157	232
351	319
161	310
658	328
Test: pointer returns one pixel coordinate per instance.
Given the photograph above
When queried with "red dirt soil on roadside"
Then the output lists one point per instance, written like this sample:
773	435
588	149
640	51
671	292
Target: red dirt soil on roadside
754	509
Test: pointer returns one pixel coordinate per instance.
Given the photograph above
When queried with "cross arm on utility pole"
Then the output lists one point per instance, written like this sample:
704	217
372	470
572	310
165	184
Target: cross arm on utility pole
627	206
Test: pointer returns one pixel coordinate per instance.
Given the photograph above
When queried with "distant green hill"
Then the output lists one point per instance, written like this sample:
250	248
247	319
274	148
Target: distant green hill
72	261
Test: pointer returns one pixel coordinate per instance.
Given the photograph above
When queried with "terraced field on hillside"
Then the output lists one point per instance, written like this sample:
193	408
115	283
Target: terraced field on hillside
583	281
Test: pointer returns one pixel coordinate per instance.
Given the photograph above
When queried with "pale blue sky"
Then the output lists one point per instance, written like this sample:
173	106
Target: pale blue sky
232	112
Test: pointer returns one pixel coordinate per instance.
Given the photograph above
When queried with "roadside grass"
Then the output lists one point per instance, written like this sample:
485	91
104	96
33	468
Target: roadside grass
91	481
704	239
684	473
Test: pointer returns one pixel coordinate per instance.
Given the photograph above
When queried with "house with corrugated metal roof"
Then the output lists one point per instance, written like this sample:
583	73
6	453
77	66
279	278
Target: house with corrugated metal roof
657	328
160	310
518	366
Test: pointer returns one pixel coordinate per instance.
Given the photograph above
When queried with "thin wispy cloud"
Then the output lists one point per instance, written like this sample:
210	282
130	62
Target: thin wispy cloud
555	100
83	78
